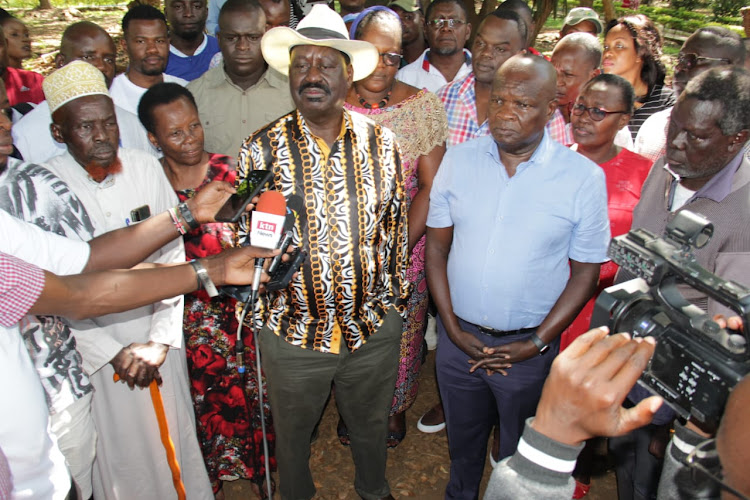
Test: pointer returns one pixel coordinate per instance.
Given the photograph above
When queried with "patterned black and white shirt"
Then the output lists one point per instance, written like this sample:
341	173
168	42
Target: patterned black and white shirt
354	228
34	194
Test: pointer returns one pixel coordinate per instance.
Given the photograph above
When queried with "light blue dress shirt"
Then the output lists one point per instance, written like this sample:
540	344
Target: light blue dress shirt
513	236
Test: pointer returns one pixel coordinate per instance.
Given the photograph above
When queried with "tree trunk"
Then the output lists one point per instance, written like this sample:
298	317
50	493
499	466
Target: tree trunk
45	4
586	3
543	10
609	10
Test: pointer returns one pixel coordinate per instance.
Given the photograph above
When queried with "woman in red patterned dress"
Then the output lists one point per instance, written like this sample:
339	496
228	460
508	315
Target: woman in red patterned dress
226	403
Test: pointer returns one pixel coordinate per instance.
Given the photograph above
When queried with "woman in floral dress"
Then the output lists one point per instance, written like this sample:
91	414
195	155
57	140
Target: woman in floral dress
226	403
417	117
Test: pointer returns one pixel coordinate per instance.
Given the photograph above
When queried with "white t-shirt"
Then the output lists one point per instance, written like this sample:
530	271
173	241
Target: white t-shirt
33	138
37	466
423	75
127	94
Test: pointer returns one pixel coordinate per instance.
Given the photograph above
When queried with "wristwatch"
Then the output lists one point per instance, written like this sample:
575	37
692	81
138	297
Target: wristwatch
539	343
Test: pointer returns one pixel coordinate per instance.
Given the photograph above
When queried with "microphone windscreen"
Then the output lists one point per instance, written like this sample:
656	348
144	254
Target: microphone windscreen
271	202
295	203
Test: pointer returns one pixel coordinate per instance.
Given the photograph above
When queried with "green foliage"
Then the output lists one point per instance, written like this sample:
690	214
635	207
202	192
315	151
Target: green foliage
687	4
727	7
60	4
686	19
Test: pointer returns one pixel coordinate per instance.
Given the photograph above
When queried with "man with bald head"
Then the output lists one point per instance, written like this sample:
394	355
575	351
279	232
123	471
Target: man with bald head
88	42
576	58
707	48
517	229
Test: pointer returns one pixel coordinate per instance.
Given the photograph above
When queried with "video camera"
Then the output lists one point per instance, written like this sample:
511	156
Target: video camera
696	364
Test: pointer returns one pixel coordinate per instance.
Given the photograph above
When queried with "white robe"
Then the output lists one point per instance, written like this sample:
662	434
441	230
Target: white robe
131	462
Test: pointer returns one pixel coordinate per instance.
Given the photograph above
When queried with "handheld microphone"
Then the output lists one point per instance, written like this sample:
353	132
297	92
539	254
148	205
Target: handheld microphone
266	226
267	220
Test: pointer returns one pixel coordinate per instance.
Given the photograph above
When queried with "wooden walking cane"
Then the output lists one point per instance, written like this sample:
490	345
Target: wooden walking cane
166	440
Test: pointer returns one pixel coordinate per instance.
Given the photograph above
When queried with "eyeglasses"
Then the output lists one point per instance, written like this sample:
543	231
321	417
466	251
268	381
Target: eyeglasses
690	61
390	58
440	23
704	460
596	114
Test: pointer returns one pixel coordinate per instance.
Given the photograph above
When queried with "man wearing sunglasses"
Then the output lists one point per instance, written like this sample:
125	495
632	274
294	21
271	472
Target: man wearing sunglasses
705	49
447	31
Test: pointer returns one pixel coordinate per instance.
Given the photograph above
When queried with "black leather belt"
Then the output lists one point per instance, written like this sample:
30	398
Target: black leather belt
504	333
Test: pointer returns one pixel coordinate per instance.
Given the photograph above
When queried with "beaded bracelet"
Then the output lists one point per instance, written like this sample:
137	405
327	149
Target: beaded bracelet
176	221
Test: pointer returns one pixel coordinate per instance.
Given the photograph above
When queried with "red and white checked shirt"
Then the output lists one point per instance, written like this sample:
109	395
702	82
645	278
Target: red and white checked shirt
21	285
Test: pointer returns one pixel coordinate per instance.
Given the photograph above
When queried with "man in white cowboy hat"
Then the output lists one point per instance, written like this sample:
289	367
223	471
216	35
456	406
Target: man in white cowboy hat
119	187
340	318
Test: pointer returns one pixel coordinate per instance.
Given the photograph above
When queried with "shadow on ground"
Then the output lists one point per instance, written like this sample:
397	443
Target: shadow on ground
417	469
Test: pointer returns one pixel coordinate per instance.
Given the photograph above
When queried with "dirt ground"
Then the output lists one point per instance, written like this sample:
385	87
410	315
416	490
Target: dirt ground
417	469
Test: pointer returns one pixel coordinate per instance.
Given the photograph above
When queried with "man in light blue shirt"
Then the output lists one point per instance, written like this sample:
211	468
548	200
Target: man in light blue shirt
516	233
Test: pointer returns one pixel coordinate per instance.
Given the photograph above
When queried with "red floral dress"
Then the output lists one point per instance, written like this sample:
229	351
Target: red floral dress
227	418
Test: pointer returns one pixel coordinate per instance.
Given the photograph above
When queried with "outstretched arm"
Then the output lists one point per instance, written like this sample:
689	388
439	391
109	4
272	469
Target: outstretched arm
94	294
123	248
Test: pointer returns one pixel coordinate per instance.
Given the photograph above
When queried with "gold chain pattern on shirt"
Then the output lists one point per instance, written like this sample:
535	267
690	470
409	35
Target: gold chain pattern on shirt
354	229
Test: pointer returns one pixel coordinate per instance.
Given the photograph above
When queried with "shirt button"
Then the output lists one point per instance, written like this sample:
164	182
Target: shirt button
492	250
484	317
109	214
244	121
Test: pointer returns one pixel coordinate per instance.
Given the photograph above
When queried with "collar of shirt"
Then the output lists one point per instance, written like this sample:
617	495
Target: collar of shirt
200	48
323	145
718	187
269	76
430	69
540	154
304	130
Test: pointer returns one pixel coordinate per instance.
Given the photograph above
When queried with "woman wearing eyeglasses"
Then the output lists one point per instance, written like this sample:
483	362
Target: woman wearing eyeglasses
604	106
417	117
632	50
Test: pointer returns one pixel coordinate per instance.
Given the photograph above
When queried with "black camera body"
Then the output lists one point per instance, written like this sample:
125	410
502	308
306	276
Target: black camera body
696	364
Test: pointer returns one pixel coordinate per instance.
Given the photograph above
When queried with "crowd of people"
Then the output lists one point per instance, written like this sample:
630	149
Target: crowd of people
441	166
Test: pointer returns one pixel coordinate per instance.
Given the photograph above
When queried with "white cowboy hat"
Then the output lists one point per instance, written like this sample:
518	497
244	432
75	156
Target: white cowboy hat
322	27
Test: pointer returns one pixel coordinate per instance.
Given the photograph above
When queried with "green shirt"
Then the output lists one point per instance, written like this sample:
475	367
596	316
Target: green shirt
230	115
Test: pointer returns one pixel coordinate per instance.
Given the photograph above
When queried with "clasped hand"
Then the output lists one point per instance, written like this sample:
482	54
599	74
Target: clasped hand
138	364
493	359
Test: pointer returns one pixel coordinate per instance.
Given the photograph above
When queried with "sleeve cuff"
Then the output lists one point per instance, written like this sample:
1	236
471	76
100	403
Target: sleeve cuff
683	441
544	459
